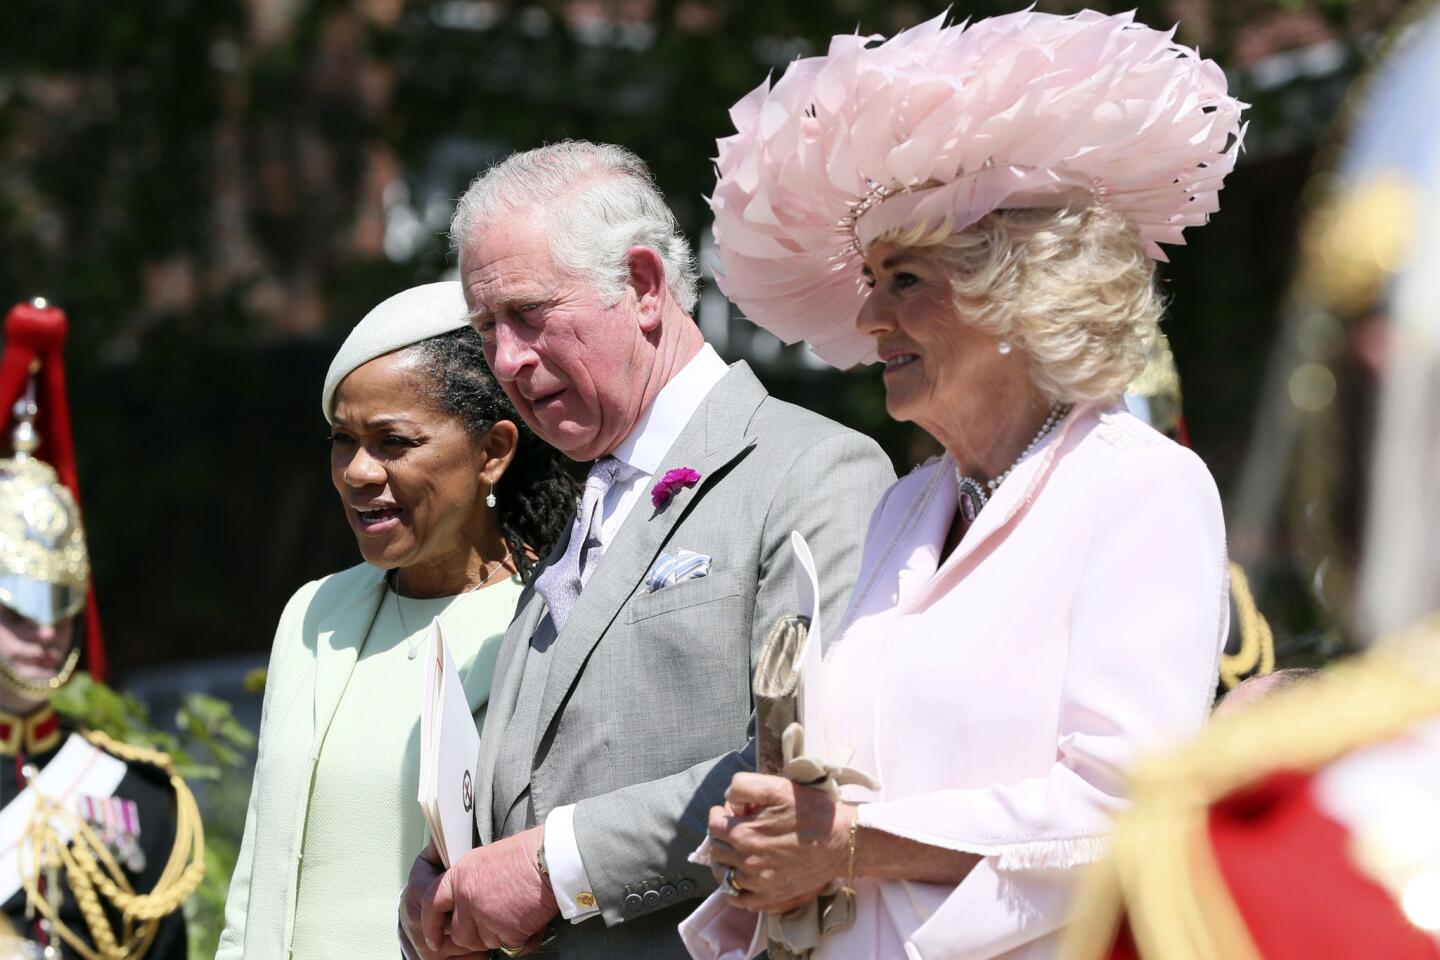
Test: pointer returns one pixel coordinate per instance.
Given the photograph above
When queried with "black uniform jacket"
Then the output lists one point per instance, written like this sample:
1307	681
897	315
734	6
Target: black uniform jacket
149	788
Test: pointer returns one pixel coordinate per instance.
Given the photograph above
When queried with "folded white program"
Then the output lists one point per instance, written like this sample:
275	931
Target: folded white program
449	752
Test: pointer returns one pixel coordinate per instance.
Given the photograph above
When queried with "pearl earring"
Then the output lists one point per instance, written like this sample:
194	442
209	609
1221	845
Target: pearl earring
490	497
1004	348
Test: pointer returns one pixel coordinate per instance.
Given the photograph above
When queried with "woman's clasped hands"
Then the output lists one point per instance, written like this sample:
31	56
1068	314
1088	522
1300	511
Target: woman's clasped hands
779	842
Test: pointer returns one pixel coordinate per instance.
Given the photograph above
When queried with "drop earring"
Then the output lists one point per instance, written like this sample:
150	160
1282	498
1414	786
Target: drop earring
490	497
1004	348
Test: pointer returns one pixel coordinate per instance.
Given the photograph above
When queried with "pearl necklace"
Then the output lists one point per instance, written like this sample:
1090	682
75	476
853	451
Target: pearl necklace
973	496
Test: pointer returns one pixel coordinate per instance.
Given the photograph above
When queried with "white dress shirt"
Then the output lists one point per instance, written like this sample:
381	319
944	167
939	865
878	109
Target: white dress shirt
641	454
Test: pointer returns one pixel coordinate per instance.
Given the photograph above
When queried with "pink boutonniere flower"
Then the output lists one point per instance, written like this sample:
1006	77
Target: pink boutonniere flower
661	493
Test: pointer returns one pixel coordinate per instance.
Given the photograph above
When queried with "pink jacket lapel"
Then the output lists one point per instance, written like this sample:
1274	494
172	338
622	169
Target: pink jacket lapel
1008	503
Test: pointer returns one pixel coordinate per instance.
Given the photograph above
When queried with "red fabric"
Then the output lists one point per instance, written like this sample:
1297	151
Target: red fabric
1288	869
38	334
1291	874
1124	947
47	725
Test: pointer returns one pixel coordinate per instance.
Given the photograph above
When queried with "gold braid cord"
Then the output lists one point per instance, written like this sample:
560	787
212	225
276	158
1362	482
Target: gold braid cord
39	689
95	877
1163	876
1256	656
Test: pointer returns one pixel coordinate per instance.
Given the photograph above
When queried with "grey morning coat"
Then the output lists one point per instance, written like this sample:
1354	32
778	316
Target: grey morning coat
643	712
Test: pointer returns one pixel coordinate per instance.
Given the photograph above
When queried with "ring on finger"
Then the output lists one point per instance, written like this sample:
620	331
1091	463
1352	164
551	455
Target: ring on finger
728	886
511	951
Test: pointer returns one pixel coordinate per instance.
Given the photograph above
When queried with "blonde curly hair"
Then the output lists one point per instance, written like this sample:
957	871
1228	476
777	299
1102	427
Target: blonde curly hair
1072	287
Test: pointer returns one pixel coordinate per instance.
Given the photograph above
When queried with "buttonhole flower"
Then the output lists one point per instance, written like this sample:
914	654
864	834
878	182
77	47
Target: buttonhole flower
661	493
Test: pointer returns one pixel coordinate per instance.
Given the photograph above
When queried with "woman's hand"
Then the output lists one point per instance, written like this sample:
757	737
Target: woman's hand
784	842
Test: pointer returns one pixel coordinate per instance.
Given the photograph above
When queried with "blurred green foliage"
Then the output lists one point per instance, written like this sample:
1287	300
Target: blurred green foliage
209	738
212	751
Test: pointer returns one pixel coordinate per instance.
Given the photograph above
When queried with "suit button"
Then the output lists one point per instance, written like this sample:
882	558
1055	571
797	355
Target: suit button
632	902
652	898
686	887
667	892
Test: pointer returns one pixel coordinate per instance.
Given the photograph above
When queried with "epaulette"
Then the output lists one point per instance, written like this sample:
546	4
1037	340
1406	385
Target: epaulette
1255	656
129	752
1163	878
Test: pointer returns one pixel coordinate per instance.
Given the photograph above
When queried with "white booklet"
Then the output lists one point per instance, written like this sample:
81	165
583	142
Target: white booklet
449	752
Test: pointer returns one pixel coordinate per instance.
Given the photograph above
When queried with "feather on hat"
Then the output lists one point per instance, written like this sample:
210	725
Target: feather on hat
941	125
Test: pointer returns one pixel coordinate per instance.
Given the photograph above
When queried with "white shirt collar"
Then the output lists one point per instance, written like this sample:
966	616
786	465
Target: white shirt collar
660	426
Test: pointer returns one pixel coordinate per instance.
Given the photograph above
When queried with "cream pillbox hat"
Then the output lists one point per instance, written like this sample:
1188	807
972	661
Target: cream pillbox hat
401	321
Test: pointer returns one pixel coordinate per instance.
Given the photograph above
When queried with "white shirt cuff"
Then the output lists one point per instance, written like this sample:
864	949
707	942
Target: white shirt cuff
567	871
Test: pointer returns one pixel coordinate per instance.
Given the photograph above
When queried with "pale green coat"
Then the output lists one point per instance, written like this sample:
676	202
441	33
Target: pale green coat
317	643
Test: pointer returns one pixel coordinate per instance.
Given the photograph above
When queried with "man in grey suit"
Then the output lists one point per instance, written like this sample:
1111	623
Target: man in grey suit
621	703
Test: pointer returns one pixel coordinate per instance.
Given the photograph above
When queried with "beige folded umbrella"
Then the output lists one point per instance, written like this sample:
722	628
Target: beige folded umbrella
788	694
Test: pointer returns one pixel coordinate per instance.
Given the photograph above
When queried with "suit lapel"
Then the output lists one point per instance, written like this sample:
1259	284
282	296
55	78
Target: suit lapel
923	537
510	670
511	660
337	646
1013	497
714	437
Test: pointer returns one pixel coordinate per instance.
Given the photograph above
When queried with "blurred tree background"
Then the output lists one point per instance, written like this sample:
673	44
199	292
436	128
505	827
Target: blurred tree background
217	191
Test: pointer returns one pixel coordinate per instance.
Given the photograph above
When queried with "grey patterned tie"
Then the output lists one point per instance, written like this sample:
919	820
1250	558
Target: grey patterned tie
559	584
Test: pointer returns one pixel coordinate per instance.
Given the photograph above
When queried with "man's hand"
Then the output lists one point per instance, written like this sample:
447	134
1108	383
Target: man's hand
420	889
493	897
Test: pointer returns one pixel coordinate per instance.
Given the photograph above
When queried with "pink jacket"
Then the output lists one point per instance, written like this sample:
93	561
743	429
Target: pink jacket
1001	698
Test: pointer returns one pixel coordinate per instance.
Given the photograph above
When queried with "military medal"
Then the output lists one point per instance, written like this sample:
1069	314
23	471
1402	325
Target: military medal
117	821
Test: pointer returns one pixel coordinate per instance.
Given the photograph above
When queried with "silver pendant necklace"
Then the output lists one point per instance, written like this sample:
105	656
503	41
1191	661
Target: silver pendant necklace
973	495
413	648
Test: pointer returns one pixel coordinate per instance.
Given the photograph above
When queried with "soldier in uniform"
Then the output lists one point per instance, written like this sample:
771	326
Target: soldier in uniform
1308	824
100	842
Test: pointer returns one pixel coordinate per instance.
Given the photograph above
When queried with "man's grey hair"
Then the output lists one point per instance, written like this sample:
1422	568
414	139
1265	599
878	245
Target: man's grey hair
598	199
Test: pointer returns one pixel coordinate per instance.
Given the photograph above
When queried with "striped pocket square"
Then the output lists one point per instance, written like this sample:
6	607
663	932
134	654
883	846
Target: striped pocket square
684	565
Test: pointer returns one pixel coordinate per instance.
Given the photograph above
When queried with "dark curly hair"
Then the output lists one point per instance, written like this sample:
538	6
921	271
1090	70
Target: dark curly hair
535	498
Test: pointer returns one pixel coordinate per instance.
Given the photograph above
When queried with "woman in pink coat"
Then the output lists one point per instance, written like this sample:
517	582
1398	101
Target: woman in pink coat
979	209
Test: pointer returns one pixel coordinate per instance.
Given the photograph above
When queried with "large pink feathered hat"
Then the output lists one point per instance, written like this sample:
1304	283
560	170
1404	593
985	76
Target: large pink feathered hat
943	124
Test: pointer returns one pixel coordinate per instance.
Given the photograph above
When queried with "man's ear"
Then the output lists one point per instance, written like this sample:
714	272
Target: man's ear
498	450
647	282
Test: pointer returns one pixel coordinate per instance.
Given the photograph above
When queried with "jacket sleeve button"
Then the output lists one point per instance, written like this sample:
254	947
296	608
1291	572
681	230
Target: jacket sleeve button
652	898
685	887
668	892
632	902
